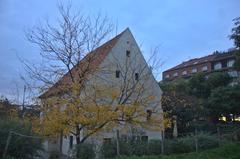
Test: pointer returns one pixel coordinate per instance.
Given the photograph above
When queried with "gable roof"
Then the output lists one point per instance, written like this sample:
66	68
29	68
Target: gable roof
96	56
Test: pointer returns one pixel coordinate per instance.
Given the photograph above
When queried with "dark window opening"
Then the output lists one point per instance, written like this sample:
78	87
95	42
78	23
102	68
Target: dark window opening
71	142
128	53
149	114
117	74
136	76
144	138
106	140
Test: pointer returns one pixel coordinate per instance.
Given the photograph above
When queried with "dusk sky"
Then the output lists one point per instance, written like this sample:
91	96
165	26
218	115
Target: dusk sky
183	29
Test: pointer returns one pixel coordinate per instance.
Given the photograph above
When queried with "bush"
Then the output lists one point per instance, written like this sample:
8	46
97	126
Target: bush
154	147
187	144
127	148
54	155
19	147
206	141
109	150
83	151
180	145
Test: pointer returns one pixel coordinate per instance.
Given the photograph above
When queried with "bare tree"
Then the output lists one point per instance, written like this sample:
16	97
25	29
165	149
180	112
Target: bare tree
64	45
62	48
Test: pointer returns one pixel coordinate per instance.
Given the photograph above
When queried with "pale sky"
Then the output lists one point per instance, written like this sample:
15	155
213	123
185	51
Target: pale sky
184	29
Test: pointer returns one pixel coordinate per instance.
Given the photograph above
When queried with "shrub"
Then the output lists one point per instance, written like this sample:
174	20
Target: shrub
109	150
127	148
153	147
206	141
181	145
83	151
54	155
19	146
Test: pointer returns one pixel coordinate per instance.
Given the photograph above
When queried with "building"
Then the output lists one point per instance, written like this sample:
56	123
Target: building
211	63
117	61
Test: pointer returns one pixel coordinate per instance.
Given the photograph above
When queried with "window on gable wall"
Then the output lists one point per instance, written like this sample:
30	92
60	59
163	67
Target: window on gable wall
117	73
136	76
128	53
149	114
144	138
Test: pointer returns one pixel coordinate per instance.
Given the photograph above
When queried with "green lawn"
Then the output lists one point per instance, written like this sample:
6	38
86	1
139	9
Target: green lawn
227	152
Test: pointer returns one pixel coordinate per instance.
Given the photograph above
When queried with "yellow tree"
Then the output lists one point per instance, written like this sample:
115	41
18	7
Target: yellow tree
98	111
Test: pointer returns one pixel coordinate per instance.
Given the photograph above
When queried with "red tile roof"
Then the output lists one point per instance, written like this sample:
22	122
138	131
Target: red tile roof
96	56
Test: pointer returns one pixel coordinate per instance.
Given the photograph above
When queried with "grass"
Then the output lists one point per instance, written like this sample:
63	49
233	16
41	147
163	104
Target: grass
231	151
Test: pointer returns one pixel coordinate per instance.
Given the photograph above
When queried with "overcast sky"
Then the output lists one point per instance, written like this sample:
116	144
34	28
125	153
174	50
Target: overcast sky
184	29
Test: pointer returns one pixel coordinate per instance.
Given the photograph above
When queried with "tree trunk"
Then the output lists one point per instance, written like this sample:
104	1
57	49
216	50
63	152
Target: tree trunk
61	141
118	151
78	141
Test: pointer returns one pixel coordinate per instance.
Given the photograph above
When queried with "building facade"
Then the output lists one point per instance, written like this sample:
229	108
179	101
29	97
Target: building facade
211	63
119	60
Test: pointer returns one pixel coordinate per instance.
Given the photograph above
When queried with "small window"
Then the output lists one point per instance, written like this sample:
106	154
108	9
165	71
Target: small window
149	114
194	70
204	68
117	73
230	63
167	76
217	66
144	138
136	76
128	53
175	74
106	140
71	142
184	72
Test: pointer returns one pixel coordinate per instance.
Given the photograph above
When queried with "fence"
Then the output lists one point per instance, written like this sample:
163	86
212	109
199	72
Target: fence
188	142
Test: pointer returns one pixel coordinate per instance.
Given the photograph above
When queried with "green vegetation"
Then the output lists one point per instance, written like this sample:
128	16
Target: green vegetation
231	151
235	36
153	147
83	151
19	146
15	132
200	97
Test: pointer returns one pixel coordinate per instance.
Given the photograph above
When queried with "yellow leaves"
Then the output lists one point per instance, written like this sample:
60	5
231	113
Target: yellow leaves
151	98
13	113
96	109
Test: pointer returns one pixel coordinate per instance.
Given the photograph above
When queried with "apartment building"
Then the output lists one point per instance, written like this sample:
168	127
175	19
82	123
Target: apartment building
210	63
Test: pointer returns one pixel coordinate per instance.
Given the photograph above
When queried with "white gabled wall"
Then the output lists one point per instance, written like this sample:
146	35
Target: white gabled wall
106	73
